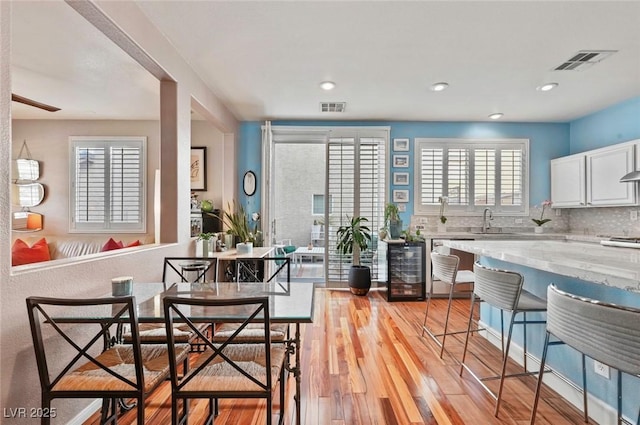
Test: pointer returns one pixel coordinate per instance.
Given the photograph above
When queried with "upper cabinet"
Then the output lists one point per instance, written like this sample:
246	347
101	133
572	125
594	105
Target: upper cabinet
568	181
592	179
605	168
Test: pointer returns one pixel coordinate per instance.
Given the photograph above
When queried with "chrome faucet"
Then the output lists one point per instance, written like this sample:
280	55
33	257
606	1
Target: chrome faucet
486	223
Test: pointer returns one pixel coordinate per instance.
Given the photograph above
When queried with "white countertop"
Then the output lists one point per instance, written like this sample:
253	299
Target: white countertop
611	266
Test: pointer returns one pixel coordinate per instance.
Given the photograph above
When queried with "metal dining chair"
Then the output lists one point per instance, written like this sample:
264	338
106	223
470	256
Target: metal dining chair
503	290
265	270
225	369
445	268
77	357
605	332
194	270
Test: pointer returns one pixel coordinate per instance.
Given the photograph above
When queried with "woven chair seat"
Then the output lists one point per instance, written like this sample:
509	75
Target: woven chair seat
90	377
220	376
253	332
156	333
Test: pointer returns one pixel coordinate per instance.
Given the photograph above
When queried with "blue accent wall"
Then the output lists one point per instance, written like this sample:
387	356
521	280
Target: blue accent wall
547	141
249	157
616	124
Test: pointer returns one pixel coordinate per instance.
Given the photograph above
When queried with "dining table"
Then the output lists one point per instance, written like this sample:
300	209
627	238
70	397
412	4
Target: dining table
289	302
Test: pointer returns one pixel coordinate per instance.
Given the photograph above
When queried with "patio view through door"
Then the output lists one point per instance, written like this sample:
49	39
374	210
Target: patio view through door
318	178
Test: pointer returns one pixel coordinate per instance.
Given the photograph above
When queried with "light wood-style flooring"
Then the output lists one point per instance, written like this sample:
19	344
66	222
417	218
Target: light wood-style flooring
365	361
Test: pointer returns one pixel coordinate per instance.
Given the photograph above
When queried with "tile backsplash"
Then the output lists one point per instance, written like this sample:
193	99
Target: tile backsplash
605	221
585	221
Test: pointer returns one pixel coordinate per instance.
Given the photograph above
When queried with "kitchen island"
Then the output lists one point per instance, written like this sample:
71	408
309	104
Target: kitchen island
591	262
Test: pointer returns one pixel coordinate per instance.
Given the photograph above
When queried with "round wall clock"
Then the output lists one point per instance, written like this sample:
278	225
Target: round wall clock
249	183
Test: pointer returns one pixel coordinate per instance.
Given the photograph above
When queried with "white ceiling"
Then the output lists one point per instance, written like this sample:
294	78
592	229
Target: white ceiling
265	59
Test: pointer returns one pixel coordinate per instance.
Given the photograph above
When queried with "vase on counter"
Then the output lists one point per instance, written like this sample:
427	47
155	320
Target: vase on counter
442	227
538	229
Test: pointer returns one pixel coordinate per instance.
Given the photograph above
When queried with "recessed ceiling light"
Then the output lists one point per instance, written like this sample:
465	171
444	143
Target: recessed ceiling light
439	86
547	87
496	116
327	85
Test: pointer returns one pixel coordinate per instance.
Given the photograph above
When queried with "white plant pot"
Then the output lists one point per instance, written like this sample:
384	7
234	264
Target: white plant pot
538	229
244	248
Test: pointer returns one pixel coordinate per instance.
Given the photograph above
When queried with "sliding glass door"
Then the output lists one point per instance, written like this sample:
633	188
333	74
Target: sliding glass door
318	178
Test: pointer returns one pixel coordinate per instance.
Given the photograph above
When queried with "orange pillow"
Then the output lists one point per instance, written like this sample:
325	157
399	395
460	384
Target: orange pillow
21	253
111	245
134	243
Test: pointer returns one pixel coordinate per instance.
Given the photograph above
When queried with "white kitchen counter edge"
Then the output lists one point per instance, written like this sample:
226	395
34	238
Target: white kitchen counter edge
611	266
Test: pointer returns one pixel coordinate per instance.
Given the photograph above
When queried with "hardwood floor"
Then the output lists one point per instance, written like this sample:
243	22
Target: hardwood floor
365	361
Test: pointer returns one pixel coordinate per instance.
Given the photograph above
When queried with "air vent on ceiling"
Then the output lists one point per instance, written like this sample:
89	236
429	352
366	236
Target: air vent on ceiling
584	59
333	106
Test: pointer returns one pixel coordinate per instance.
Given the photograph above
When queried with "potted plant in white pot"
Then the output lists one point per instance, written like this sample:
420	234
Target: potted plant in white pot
352	239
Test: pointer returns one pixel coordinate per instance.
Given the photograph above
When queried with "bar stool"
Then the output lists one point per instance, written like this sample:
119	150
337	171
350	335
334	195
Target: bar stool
605	332
445	268
503	290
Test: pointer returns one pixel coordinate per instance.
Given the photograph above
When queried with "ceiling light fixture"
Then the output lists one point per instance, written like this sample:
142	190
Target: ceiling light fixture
327	85
439	86
547	87
496	116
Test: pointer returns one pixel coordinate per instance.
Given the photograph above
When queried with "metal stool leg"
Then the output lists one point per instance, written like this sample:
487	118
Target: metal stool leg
446	321
584	389
536	398
504	365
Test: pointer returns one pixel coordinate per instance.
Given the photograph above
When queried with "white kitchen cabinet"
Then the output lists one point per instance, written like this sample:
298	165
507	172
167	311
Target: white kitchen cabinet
568	181
592	178
605	167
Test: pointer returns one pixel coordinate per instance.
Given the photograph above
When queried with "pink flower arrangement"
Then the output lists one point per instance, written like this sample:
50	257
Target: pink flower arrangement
546	204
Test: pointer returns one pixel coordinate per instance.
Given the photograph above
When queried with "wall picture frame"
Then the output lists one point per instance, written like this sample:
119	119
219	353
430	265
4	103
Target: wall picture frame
199	168
401	195
401	179
401	161
401	145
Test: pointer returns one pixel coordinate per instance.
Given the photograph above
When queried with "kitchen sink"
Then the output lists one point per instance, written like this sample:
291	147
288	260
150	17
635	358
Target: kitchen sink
491	231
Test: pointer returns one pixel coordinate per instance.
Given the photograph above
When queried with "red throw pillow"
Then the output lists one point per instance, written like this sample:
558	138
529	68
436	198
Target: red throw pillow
21	253
111	245
134	243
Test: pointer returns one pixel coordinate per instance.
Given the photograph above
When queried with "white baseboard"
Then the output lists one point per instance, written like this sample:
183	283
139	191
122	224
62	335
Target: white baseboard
86	413
599	411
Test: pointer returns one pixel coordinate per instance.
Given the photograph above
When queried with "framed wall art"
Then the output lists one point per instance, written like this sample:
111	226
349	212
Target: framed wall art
400	195
401	179
199	168
401	145
401	161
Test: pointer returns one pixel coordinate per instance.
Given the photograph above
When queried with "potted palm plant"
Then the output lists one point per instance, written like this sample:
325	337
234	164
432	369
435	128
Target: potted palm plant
352	239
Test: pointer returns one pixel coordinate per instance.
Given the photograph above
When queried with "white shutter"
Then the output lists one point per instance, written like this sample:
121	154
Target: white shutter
511	177
457	176
107	184
90	185
432	172
341	182
473	174
484	171
356	186
125	185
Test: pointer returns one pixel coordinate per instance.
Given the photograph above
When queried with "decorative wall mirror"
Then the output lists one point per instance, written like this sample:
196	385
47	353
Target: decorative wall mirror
28	195
27	169
249	183
26	221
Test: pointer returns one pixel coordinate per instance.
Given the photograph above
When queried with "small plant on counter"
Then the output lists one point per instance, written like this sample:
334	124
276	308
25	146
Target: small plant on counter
443	203
546	204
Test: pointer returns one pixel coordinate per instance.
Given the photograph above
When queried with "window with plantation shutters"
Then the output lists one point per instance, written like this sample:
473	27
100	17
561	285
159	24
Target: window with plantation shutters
107	184
472	174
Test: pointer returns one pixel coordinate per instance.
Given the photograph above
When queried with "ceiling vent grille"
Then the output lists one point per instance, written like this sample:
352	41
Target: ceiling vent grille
333	106
584	59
